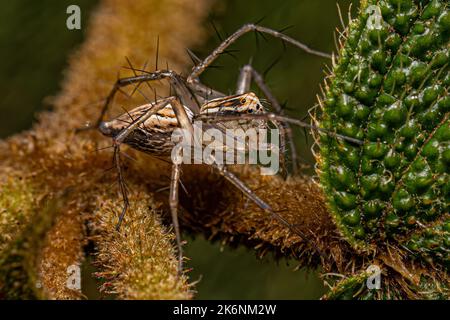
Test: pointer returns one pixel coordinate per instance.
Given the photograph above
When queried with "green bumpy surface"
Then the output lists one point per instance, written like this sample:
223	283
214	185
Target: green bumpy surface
390	89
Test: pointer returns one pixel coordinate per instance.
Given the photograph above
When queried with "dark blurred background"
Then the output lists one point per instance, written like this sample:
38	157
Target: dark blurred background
34	54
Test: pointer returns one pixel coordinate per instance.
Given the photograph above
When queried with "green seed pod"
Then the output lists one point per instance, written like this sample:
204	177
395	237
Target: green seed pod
389	88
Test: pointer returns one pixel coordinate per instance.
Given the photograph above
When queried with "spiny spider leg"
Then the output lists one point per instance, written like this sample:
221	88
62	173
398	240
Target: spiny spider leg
119	138
244	80
185	123
122	186
247	74
122	82
263	205
201	67
201	91
276	117
173	203
176	81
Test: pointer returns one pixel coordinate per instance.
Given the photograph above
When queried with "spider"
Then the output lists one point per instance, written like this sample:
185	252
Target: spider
149	127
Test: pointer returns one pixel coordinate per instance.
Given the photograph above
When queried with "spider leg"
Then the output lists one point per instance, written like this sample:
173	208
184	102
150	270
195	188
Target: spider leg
276	117
117	141
122	186
279	110
179	84
281	127
201	67
173	202
263	205
247	74
186	124
245	79
205	92
123	82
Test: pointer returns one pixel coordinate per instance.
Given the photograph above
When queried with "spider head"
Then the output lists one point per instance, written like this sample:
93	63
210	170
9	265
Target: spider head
241	103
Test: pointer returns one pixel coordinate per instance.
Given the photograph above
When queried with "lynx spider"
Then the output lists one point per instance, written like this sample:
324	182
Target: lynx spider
190	100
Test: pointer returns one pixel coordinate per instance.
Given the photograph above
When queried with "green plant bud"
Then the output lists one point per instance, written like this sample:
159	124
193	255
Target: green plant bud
421	44
349	87
392	220
329	102
359	232
402	23
410	129
413	101
410	150
379	61
433	9
395	114
370	183
430	117
390	86
351	130
343	176
375	81
446	156
378	36
386	99
366	95
430	94
352	218
444	104
429	197
386	186
345	106
392	159
373	208
416	181
417	73
419	28
351	155
367	165
396	78
393	42
345	200
377	130
402	200
444	22
440	59
361	112
431	150
375	150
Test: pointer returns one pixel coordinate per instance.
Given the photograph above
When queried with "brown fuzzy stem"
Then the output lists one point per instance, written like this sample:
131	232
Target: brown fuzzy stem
51	159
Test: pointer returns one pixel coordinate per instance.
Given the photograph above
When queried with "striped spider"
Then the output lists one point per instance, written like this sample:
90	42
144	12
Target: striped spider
149	127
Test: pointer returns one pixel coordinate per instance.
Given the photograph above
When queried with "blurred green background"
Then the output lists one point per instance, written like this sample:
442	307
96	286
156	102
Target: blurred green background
35	46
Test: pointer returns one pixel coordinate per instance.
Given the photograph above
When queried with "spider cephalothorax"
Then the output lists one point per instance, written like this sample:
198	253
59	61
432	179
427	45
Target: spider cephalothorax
240	103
